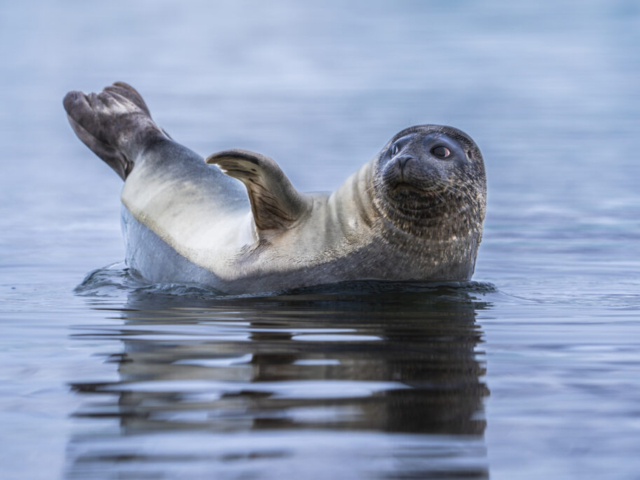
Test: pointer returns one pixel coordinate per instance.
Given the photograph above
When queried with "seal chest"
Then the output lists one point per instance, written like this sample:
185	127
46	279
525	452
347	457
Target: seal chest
235	222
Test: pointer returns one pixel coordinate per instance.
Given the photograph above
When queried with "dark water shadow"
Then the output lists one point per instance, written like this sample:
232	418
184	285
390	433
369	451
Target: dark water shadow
343	382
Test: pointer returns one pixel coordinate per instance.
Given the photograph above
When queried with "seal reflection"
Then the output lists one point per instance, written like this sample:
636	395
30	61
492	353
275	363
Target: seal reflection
365	369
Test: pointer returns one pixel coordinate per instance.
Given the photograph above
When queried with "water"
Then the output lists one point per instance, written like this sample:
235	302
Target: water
531	372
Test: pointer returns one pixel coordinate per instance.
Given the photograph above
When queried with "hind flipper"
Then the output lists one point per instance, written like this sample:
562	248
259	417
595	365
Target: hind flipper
130	93
110	155
115	124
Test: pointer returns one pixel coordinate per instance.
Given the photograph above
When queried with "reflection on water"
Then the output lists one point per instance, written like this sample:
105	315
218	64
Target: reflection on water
396	374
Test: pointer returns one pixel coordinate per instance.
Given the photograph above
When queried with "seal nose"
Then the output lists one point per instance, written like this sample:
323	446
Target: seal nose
402	161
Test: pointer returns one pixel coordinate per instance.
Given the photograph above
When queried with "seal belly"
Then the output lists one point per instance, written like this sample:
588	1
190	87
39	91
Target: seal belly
157	261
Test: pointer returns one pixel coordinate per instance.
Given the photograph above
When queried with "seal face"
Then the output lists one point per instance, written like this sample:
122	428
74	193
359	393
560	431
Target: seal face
413	213
428	173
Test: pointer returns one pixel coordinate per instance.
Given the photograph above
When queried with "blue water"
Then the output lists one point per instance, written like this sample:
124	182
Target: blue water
531	372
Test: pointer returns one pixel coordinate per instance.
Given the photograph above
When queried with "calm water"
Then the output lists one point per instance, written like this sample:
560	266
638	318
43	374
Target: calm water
532	372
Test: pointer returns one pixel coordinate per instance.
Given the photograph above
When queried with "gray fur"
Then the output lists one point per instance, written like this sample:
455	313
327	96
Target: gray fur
408	215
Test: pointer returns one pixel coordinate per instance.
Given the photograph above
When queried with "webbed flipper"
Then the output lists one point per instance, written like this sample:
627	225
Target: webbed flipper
115	124
275	203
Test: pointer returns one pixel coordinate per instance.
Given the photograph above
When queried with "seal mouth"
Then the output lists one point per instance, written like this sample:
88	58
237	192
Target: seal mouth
403	186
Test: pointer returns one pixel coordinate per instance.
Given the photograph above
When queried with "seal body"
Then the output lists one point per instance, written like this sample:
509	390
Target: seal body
413	213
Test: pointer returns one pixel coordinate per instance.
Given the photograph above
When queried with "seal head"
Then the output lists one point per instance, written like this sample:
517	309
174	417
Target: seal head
430	183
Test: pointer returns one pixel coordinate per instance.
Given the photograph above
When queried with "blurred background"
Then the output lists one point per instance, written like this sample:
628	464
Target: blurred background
550	91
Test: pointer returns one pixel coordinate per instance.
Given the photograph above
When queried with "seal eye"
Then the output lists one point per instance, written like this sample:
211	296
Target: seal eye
395	150
441	152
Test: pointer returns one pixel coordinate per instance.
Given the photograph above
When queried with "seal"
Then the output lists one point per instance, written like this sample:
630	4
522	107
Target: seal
235	222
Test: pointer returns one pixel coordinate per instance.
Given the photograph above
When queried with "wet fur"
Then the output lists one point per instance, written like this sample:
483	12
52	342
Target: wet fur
269	236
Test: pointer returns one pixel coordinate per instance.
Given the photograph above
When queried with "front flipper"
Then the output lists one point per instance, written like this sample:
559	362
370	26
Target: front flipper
275	203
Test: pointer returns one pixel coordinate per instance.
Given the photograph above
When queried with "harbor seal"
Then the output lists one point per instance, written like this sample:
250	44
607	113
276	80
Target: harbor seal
235	222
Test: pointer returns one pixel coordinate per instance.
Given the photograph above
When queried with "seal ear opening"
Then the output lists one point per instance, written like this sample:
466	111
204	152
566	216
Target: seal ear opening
275	203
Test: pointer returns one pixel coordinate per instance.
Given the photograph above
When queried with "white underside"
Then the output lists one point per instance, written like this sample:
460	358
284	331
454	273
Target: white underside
157	261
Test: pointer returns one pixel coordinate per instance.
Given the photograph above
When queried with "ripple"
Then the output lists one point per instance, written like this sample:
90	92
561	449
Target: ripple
116	279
